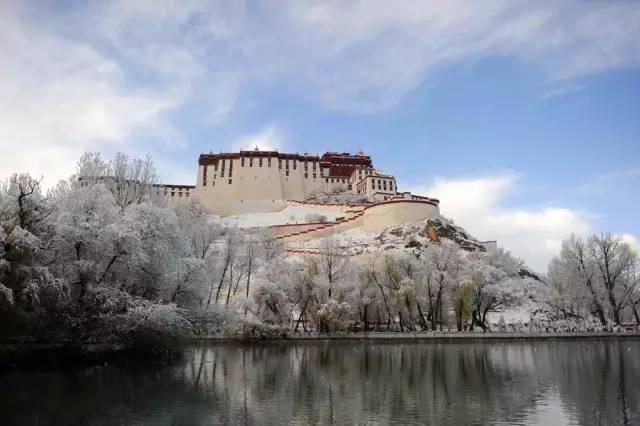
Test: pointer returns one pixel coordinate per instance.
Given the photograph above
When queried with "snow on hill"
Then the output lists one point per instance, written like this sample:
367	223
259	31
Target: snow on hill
288	215
408	236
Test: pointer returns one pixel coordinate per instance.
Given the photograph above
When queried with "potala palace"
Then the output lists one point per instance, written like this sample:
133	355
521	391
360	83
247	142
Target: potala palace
250	182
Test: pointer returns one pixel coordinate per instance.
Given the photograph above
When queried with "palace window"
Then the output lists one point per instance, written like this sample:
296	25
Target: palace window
287	173
314	175
204	176
306	175
250	161
326	180
260	162
280	163
295	163
242	162
286	164
269	162
230	180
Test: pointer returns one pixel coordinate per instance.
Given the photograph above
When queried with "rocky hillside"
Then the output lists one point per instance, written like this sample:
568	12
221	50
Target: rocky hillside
419	234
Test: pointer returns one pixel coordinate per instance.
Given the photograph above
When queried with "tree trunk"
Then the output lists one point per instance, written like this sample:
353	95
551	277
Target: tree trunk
248	282
365	318
423	323
614	307
304	308
224	273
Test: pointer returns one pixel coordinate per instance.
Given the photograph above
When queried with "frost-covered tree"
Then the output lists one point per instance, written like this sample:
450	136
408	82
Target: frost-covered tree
97	259
595	277
442	266
574	282
613	259
24	237
364	299
130	180
496	284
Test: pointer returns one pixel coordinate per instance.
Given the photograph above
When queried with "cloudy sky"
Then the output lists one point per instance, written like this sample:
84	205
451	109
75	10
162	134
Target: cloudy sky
523	117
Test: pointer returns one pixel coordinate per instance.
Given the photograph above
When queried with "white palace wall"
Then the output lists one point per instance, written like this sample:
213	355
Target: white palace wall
375	219
379	216
254	188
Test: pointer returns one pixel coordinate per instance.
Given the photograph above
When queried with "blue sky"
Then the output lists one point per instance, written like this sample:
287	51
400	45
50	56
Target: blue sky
523	117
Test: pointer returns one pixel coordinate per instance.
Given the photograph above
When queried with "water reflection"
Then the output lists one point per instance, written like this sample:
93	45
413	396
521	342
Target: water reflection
573	382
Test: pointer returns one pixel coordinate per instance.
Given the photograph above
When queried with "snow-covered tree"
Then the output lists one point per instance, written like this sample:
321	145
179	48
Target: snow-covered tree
442	265
594	277
496	284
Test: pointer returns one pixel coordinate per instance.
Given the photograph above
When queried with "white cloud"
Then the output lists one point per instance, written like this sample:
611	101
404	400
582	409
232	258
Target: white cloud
268	139
632	241
95	75
59	98
533	233
352	55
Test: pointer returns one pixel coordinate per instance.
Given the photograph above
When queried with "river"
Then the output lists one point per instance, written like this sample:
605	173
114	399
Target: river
512	382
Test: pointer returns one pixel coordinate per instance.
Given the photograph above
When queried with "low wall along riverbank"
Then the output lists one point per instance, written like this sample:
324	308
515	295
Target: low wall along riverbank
55	356
421	337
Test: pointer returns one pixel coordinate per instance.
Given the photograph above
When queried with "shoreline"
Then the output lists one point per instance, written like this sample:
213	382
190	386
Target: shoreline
437	337
57	356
